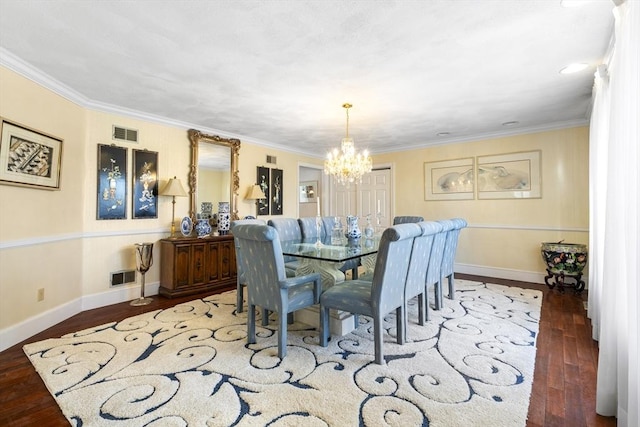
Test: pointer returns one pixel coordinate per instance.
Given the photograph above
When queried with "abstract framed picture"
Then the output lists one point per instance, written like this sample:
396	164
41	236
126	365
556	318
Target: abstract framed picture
449	180
112	182
308	191
509	176
145	184
262	179
29	158
276	191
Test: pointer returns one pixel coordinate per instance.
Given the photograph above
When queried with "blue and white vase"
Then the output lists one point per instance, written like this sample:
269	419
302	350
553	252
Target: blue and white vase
224	222
203	228
353	231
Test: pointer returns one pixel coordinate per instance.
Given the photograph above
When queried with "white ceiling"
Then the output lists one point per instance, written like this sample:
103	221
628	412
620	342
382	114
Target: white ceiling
277	72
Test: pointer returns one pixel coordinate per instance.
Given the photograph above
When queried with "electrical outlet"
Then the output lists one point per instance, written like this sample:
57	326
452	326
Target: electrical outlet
41	294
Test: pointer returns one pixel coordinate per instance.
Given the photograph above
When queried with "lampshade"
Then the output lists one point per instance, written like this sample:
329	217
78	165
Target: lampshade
173	188
255	193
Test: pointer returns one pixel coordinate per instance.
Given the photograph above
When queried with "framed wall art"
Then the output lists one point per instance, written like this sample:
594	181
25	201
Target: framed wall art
145	184
276	191
29	158
262	179
449	180
112	182
308	191
509	176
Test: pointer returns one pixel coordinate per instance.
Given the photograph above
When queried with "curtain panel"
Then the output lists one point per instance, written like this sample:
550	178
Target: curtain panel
614	298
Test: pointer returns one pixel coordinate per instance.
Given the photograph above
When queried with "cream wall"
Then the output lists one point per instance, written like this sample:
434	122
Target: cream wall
45	226
52	239
504	236
252	156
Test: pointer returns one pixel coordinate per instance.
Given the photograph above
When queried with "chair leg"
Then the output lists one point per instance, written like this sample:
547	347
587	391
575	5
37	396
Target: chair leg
282	335
452	291
356	321
265	317
354	273
401	321
377	336
437	289
239	297
324	325
251	324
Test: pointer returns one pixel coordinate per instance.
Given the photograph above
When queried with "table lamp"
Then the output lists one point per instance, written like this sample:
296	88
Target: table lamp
255	193
173	188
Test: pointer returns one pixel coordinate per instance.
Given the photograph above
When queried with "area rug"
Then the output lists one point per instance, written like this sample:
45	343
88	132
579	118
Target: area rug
472	364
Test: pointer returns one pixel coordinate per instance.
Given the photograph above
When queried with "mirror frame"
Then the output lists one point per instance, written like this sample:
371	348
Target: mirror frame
196	137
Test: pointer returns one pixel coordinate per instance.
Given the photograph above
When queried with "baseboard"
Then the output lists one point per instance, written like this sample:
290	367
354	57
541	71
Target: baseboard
501	273
27	328
17	333
118	295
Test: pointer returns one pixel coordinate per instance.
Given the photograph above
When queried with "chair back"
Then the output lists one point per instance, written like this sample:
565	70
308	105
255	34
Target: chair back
419	262
308	228
392	264
406	219
288	229
236	243
262	262
437	253
451	246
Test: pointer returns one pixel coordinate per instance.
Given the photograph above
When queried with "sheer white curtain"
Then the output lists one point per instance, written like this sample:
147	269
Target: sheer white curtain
614	297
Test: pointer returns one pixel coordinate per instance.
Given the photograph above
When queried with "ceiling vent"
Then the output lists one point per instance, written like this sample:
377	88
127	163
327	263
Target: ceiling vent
124	134
271	159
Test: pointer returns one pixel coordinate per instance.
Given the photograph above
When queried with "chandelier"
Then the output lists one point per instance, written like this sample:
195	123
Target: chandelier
346	165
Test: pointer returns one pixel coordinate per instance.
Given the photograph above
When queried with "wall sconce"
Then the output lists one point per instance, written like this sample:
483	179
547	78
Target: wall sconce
255	193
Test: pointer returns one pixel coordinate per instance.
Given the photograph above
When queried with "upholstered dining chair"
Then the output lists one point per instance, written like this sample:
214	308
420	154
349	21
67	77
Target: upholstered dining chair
310	231
288	229
418	265
449	256
406	219
434	276
267	283
241	280
380	296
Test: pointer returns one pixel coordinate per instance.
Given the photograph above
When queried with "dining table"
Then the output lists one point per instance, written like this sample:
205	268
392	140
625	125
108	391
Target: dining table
326	256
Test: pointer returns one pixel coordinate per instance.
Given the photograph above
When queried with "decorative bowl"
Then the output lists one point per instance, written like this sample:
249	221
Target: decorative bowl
568	259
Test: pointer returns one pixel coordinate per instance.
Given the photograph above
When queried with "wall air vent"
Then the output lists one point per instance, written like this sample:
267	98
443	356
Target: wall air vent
124	134
123	277
271	159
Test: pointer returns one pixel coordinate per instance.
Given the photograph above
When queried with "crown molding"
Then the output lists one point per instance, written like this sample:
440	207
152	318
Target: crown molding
16	64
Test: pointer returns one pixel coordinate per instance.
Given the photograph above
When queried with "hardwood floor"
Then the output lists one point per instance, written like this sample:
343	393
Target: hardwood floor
564	383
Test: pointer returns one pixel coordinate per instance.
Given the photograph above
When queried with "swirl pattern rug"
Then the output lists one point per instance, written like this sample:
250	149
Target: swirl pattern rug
471	364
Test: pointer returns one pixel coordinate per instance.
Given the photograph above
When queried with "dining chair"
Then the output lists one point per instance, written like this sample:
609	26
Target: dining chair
449	256
434	270
241	280
288	229
380	296
267	283
418	265
309	230
406	219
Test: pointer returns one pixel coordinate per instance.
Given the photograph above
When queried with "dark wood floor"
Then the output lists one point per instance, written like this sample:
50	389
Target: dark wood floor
563	391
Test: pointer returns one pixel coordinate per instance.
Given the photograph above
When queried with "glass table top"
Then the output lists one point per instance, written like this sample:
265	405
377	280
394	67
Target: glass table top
307	248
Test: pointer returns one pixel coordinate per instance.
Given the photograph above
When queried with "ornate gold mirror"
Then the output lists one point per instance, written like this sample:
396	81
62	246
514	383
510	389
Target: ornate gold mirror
220	155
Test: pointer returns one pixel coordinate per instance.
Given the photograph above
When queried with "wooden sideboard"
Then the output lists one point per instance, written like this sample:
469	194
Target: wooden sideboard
190	265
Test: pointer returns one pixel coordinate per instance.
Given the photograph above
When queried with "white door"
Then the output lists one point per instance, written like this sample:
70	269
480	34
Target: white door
372	195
